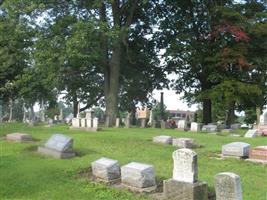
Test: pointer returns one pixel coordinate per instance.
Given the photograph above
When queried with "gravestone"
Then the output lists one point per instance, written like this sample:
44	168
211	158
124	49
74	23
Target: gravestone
228	186
58	146
138	175
89	115
210	128
236	149
83	122
106	169
117	123
89	123
258	153
185	166
127	120
251	133
76	122
221	126
195	127
95	123
184	183
183	143
162	124
182	125
19	137
164	139
235	126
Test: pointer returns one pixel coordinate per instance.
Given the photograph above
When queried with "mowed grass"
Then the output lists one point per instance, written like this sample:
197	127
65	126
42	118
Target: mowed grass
24	174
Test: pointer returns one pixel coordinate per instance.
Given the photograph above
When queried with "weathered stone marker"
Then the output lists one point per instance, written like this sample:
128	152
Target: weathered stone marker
251	133
258	153
19	137
228	186
164	139
183	142
138	176
195	127
83	122
58	146
210	128
182	125
95	123
117	123
184	184
106	169
76	122
236	149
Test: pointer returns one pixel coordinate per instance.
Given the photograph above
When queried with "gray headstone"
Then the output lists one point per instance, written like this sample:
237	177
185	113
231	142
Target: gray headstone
210	128
59	142
138	175
239	149
106	169
18	137
185	166
183	142
195	127
162	124
251	133
228	186
235	126
164	139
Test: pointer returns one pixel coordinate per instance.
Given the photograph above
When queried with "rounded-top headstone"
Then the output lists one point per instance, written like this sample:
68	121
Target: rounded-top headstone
185	165
228	186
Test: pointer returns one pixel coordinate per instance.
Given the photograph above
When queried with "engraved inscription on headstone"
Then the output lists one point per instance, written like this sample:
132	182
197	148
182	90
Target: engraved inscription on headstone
60	143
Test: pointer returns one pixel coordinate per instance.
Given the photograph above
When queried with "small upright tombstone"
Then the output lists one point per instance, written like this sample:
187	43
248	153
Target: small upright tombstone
76	122
251	133
95	123
162	124
19	137
182	125
236	149
184	183
195	127
228	186
117	123
83	122
58	146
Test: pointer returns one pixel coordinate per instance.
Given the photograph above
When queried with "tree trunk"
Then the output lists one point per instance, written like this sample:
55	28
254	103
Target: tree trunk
75	105
258	113
111	88
207	118
10	110
42	111
230	119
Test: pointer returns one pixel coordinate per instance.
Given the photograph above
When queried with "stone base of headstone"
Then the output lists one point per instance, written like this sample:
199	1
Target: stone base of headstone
86	129
140	190
106	182
54	153
176	190
257	161
19	137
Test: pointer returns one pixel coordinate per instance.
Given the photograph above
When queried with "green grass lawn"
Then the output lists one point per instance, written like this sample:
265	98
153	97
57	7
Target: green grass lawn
24	174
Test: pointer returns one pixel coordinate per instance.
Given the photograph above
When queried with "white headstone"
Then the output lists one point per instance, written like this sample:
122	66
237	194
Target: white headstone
183	142
89	123
59	142
76	122
228	186
164	139
106	169
95	123
238	149
185	165
182	124
117	122
195	127
138	175
83	122
251	133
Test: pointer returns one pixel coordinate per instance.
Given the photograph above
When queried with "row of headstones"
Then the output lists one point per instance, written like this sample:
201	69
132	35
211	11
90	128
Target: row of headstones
184	183
243	150
177	142
87	123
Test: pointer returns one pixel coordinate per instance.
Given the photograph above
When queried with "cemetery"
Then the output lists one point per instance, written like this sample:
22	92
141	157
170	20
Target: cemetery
133	100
